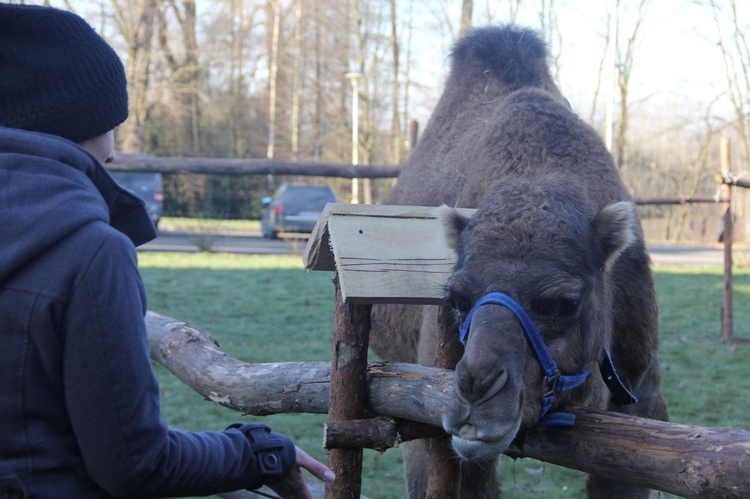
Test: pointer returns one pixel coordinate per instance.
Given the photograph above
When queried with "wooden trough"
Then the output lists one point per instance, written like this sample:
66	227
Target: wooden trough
392	254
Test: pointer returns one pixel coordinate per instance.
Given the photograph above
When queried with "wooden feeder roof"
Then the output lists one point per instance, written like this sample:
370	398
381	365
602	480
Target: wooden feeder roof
383	253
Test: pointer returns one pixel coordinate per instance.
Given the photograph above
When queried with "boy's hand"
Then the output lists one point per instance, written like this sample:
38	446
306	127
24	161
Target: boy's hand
293	486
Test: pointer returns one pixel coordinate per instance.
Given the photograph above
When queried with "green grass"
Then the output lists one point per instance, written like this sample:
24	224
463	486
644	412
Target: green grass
267	309
259	309
706	381
211	225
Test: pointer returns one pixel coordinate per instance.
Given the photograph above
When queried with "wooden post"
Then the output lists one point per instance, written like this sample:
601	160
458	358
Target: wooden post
727	320
351	335
377	433
443	478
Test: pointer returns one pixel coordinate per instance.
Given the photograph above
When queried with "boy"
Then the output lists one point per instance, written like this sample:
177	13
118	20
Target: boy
79	404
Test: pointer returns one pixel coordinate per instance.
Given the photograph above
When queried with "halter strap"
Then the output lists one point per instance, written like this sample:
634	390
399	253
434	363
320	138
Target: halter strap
553	380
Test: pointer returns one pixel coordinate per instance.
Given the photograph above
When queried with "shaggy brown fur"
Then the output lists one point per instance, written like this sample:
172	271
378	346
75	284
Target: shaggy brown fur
555	230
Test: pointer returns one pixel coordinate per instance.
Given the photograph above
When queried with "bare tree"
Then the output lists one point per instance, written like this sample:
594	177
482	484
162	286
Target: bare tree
467	8
625	63
443	15
513	8
242	23
274	10
370	52
550	30
735	54
297	78
696	175
732	33
608	39
185	71
395	117
135	22
407	68
318	84
332	45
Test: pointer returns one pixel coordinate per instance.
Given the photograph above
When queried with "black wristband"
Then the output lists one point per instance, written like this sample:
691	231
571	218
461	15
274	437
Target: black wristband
275	454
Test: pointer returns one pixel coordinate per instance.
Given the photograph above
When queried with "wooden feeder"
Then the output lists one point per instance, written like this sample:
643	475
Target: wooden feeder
380	254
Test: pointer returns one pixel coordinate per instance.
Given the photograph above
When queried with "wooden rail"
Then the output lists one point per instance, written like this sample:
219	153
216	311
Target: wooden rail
246	166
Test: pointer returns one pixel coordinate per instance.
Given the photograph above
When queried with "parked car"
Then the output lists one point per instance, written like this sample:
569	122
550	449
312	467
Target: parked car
294	208
148	186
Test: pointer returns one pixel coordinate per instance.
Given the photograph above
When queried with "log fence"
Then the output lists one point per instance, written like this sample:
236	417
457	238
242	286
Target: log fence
406	401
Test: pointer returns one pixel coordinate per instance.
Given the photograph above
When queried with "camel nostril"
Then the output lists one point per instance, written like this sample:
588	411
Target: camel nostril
468	431
475	389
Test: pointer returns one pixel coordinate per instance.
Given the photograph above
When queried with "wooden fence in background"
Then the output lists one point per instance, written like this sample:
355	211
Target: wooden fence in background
253	166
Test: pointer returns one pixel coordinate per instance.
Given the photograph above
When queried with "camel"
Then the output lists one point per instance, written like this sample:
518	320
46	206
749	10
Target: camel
552	284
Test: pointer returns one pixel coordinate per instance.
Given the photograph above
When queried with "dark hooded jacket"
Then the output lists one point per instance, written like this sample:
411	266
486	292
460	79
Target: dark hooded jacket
79	404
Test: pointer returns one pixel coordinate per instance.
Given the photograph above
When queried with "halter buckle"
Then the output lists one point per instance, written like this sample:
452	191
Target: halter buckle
550	385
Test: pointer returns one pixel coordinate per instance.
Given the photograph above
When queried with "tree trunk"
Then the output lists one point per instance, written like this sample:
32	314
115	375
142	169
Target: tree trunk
395	117
138	33
296	79
273	70
363	97
552	36
318	116
625	69
407	76
602	64
467	7
190	77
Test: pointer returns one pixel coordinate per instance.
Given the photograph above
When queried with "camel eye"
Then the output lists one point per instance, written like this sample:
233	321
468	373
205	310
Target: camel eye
566	307
554	308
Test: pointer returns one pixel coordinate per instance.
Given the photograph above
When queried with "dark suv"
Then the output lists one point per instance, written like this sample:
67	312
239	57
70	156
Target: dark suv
294	208
148	186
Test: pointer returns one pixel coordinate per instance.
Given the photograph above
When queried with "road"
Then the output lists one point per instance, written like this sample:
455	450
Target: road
253	243
686	255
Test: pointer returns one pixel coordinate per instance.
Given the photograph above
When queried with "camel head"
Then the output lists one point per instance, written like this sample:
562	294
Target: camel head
549	251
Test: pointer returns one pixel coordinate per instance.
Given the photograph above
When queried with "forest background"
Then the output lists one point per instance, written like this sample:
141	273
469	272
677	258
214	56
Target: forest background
267	79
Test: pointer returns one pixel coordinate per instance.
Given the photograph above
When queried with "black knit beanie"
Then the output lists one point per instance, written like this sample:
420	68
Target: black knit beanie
57	75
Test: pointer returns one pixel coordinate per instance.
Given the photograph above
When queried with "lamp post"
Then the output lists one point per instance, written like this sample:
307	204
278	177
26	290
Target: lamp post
354	78
611	81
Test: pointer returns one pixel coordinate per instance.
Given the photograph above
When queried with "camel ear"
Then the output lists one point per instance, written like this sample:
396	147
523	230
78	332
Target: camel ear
615	228
454	224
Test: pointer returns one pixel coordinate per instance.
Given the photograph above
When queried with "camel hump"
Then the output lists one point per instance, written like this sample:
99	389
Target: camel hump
515	56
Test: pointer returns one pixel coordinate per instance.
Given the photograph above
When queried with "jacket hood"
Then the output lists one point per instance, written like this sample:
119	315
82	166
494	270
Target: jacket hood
51	187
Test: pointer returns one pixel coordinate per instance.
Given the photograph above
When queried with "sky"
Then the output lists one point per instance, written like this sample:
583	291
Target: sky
677	64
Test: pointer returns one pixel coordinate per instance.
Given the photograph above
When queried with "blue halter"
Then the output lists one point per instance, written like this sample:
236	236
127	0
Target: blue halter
553	380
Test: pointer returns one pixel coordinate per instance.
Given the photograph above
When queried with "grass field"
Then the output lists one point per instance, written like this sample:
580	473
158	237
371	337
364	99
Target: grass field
267	309
208	225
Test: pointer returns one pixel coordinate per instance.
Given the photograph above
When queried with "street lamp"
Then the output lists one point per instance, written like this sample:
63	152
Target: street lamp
611	81
354	79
